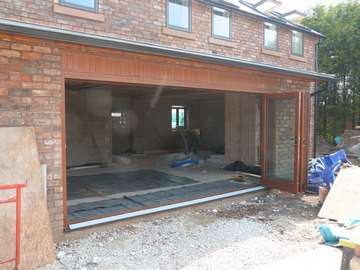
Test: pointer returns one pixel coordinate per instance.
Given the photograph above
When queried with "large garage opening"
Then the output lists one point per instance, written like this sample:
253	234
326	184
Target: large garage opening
133	148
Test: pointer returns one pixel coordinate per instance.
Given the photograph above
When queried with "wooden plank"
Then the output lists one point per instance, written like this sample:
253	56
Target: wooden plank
21	163
136	68
343	201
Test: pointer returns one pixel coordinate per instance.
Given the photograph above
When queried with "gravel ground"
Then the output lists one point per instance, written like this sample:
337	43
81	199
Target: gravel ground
238	235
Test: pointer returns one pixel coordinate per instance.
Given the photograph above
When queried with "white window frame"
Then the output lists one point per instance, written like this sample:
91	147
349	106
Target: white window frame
292	43
213	24
177	108
188	29
277	37
83	7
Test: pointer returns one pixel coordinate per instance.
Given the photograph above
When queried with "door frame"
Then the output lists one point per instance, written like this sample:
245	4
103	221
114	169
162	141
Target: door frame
108	65
300	146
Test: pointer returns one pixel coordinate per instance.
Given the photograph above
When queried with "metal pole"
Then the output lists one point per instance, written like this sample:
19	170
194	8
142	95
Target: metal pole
18	226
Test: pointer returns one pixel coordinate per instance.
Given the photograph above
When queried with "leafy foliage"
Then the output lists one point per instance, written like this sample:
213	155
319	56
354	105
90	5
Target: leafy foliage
339	53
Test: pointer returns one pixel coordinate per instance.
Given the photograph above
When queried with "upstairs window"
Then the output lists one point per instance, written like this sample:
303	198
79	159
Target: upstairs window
220	23
270	36
179	14
91	5
297	43
178	117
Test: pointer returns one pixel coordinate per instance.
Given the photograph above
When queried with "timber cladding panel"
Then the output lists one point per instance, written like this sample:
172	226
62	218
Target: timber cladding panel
32	73
115	66
135	68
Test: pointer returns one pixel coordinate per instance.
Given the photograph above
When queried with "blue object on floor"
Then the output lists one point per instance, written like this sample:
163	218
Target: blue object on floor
327	234
338	139
332	234
353	222
322	171
184	163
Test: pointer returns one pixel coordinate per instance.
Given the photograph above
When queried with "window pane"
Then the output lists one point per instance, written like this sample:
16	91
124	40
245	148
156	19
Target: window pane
173	118
297	43
270	36
181	118
221	22
178	13
83	3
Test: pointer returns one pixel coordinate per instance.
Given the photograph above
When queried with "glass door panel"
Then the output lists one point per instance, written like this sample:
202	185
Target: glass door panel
280	141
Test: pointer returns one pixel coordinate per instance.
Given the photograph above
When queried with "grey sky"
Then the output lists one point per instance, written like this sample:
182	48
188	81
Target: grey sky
301	5
304	5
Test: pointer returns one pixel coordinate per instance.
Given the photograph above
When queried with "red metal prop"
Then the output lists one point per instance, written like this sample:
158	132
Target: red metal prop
17	200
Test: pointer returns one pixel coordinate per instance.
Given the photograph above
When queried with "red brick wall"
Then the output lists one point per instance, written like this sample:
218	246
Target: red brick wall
143	21
31	95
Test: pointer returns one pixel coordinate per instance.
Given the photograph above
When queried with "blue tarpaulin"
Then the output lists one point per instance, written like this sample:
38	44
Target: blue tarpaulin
184	162
322	170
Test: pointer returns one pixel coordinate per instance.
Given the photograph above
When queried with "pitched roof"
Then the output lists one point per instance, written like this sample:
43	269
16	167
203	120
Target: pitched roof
251	10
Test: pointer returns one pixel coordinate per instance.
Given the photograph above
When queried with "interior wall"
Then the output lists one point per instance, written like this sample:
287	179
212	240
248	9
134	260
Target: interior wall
88	126
150	127
241	129
228	124
210	119
122	134
154	132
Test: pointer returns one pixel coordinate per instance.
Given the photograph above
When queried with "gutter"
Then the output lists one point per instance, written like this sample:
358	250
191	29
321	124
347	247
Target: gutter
51	33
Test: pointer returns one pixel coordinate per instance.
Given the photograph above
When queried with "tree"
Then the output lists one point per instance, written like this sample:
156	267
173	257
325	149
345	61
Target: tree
339	53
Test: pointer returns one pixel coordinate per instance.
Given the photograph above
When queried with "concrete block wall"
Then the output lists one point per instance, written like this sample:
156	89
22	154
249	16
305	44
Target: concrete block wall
122	134
88	126
145	21
240	127
210	119
153	124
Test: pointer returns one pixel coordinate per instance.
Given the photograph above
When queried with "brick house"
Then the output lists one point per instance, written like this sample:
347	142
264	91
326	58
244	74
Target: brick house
242	76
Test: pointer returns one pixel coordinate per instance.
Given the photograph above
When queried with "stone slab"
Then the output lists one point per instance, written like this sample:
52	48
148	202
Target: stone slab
19	162
343	200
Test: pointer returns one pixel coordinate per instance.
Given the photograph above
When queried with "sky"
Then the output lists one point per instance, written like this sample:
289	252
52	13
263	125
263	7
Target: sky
301	5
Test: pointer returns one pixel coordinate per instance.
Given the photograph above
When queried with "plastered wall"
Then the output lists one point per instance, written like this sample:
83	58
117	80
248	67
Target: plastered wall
149	127
240	127
88	122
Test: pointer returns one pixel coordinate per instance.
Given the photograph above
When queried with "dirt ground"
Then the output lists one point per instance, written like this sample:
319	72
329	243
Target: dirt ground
251	234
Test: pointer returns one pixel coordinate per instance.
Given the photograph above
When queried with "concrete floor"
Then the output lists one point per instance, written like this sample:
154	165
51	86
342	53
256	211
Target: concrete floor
202	173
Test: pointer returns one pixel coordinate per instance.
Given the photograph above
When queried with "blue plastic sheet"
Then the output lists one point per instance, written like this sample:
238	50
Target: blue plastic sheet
184	163
322	170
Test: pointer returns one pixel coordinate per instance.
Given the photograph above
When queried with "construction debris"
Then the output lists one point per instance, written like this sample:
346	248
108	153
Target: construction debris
323	192
224	235
351	142
216	158
342	202
239	166
323	170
